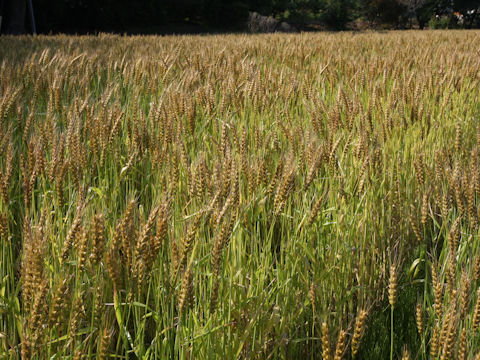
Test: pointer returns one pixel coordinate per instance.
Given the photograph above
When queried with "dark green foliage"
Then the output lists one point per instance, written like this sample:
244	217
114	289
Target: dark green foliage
376	341
225	14
336	13
187	16
384	12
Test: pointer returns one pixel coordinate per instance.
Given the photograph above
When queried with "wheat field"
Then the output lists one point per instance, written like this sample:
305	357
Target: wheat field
240	196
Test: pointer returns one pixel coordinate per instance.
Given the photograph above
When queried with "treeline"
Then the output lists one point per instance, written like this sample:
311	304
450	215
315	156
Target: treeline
167	16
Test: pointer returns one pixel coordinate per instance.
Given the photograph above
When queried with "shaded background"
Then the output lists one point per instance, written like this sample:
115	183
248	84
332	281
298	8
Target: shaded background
214	16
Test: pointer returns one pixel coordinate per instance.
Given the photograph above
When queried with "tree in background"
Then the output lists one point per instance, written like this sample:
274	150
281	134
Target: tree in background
167	16
13	16
470	10
387	12
225	13
412	8
427	12
337	13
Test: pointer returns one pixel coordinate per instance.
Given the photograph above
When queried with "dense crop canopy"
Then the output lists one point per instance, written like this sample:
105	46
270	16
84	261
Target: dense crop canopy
274	196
